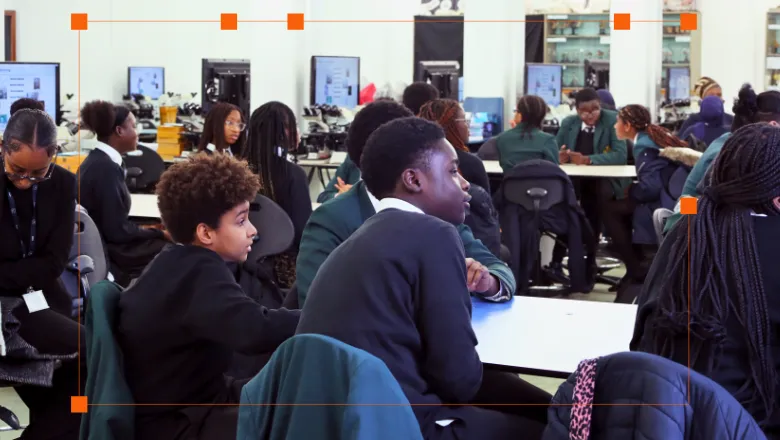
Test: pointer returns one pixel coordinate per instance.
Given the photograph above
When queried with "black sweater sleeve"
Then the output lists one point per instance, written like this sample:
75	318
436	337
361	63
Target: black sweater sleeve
299	201
451	364
50	258
114	207
220	311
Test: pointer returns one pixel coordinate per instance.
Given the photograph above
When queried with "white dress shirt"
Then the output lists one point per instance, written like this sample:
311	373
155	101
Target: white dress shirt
111	152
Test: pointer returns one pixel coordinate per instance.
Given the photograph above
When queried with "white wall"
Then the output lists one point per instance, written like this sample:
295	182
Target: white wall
734	43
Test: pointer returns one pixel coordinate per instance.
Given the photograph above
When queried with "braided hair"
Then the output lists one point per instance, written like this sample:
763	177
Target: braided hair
639	118
533	109
444	112
724	278
272	134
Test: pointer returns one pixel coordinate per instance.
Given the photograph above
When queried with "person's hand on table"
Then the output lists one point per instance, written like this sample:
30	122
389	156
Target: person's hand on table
341	186
578	158
563	154
479	279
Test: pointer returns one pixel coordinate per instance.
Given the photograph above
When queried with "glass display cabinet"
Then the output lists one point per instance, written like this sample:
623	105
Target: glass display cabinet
773	49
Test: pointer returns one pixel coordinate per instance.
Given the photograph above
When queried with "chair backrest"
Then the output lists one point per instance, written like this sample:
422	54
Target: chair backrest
518	191
659	220
87	241
151	165
275	231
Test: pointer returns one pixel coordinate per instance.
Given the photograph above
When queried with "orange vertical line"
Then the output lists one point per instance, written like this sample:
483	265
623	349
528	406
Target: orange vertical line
689	310
78	188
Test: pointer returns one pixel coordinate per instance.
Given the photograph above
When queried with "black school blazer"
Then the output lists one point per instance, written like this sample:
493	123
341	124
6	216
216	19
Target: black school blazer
56	212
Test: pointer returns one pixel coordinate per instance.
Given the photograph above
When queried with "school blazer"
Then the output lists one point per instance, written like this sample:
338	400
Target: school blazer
333	222
349	173
517	145
608	149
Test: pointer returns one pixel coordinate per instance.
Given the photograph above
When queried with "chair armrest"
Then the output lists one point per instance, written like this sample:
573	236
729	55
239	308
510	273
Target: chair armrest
83	264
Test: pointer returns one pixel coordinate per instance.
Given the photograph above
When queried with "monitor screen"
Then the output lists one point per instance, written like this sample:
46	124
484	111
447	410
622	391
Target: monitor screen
146	81
544	80
40	81
679	83
335	81
483	126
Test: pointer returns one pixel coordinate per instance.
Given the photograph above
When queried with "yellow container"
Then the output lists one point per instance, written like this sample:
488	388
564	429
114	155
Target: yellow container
168	114
70	162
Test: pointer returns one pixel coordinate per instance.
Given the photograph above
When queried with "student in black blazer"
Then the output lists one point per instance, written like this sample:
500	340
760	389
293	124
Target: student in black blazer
224	130
273	134
37	217
185	317
105	196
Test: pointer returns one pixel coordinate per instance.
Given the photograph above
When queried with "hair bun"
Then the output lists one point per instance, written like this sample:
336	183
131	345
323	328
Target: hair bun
746	103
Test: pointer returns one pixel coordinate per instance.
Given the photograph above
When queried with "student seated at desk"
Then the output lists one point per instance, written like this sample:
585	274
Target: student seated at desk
273	134
629	221
717	286
449	114
105	196
183	319
526	140
749	108
589	138
335	221
224	130
418	94
397	289
347	174
37	216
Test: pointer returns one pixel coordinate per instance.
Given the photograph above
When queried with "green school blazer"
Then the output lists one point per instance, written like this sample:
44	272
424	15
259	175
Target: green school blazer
348	172
333	222
517	145
609	150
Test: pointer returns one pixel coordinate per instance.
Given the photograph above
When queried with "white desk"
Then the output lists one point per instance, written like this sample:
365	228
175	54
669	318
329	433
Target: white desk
549	337
614	171
145	206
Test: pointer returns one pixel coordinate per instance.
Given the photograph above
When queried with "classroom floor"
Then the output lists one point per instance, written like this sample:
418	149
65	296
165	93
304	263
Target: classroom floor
10	400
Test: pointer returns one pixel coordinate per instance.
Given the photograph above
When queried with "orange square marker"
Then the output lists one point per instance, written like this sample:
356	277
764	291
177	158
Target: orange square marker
78	22
622	22
688	22
78	404
688	205
229	22
294	22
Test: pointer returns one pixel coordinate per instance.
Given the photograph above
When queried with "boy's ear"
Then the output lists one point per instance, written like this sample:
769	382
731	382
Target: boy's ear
412	180
204	234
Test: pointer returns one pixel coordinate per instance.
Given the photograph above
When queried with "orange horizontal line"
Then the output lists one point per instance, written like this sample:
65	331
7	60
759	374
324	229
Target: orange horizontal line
379	21
380	404
154	21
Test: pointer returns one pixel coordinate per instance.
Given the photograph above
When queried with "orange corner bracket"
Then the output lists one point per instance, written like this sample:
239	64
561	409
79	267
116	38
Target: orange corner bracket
622	22
78	404
79	22
229	22
688	205
688	22
294	22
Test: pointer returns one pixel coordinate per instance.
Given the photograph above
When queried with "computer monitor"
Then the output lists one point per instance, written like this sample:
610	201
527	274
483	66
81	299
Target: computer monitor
679	83
146	81
39	81
224	80
444	75
335	81
545	81
483	126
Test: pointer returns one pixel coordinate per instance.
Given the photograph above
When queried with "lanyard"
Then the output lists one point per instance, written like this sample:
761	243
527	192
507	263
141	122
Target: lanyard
12	204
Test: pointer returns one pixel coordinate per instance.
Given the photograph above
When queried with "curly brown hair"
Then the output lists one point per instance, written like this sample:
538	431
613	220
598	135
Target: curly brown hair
201	190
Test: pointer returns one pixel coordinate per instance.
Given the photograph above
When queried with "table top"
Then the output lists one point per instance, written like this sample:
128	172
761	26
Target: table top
145	206
549	337
492	167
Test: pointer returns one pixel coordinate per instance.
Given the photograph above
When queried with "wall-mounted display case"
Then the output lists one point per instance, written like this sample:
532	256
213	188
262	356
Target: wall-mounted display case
680	49
570	39
773	49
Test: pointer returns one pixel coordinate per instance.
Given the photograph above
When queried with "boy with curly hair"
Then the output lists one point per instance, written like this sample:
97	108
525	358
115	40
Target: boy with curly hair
183	319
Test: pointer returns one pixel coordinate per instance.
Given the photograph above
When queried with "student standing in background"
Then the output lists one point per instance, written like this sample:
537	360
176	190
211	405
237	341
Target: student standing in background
105	196
273	134
37	217
527	141
224	130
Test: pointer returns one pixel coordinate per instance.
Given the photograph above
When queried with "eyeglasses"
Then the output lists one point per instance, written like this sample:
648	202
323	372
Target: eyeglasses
239	125
32	178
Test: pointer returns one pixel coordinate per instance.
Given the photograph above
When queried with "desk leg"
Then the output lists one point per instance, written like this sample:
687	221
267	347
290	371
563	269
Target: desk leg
322	177
311	174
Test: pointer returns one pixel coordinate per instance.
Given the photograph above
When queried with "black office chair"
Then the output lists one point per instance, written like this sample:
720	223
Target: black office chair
275	231
537	196
143	170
